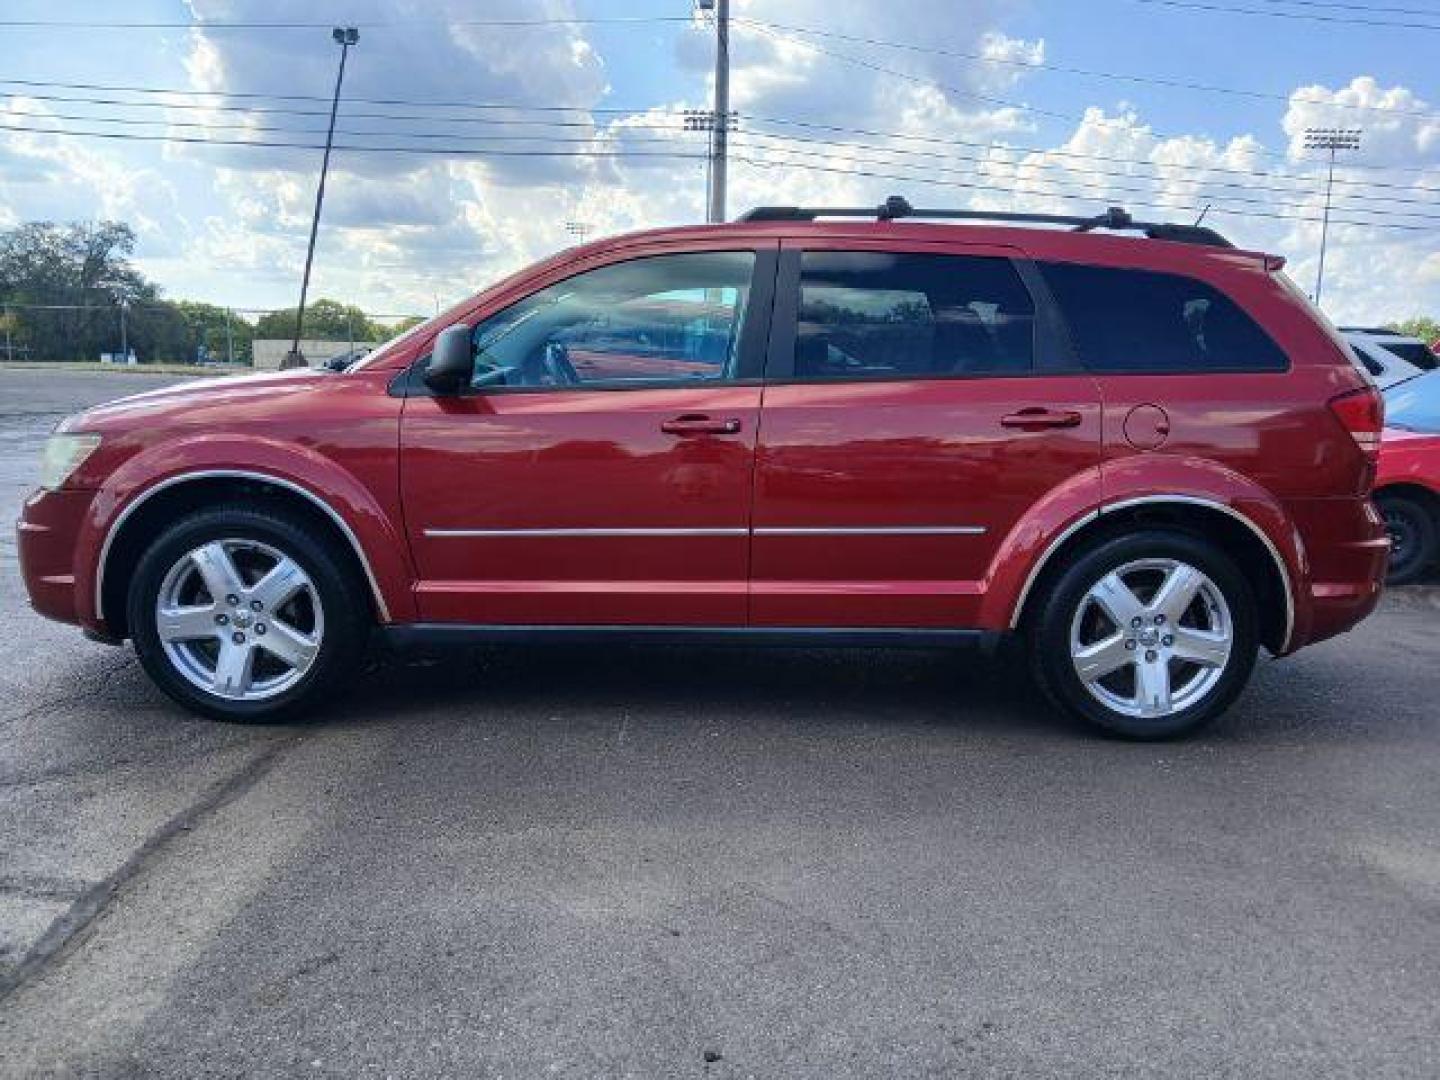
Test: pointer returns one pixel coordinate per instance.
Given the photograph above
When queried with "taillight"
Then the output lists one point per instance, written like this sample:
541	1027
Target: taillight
1363	414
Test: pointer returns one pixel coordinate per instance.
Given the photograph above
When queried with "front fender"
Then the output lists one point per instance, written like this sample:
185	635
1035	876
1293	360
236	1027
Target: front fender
322	480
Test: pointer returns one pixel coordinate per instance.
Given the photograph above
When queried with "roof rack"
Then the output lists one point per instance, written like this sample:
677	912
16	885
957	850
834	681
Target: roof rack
1390	330
897	206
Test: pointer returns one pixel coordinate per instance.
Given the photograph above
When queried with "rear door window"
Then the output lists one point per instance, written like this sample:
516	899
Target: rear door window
887	315
1133	321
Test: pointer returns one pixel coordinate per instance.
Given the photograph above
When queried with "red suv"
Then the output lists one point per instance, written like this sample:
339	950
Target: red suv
1147	456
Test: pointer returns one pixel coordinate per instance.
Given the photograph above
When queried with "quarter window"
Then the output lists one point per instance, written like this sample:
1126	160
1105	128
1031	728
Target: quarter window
668	318
896	315
1141	321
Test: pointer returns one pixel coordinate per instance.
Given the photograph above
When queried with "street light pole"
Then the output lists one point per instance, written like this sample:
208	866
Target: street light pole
1331	139
344	37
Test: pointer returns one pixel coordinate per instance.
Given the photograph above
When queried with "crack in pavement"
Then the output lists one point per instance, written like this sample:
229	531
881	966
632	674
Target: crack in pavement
90	905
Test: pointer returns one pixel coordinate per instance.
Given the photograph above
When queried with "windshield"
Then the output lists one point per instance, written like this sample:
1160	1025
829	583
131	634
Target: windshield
1414	405
384	350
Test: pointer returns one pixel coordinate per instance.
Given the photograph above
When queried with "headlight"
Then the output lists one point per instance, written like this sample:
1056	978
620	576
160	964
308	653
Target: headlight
63	455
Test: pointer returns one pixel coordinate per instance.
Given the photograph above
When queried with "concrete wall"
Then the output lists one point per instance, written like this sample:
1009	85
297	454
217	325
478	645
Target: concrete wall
269	352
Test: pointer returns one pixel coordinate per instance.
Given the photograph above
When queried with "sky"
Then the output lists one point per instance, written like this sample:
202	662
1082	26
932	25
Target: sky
471	134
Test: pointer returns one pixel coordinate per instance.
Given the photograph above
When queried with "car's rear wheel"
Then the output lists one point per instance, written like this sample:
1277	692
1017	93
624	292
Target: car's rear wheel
1413	540
1149	635
240	614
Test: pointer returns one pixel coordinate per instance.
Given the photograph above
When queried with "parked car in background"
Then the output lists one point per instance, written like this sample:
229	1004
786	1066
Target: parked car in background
1145	457
1407	487
1410	349
1384	366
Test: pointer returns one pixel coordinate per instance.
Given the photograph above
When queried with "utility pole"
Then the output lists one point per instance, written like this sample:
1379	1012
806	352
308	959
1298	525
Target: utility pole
344	37
229	340
124	341
721	125
1331	139
578	229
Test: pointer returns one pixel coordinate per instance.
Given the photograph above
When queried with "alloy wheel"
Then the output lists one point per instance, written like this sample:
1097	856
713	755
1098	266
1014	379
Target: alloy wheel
1151	637
239	619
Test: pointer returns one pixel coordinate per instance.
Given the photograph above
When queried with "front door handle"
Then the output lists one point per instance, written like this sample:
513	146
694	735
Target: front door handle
700	424
1037	418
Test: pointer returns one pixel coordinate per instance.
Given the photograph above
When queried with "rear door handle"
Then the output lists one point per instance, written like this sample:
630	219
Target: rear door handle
700	424
1036	418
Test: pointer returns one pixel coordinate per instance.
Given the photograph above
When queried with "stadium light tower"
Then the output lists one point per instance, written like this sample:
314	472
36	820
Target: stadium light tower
344	36
1331	139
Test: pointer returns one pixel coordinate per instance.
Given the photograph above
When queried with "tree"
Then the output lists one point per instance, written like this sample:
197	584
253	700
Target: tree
407	323
329	320
1419	326
215	332
64	286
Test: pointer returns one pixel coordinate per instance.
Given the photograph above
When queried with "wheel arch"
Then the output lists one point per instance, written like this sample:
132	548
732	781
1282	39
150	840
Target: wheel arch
121	539
1256	555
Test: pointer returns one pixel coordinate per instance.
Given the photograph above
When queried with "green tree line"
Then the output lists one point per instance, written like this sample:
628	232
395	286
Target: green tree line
70	292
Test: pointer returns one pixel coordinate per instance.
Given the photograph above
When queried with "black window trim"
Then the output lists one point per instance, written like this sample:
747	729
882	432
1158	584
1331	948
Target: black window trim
1051	350
750	359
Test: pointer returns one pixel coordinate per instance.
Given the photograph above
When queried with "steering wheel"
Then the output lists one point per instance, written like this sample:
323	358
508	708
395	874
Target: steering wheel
558	367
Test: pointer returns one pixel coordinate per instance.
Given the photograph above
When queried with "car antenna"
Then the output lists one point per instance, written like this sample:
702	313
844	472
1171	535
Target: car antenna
1203	213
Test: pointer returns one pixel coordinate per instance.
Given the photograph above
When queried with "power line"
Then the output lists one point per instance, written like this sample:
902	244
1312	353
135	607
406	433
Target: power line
949	89
1375	9
1348	19
604	134
360	133
472	151
254	96
217	107
1076	154
1246	186
1109	191
1173	84
1008	191
352	147
197	24
548	109
1356	200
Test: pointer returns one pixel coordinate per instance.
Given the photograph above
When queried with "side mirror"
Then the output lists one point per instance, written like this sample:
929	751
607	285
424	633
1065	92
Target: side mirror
452	361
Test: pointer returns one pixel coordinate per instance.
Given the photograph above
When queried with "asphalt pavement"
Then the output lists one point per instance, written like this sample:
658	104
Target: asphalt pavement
610	861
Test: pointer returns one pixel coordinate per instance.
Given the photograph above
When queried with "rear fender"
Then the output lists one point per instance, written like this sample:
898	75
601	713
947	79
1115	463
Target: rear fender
1149	480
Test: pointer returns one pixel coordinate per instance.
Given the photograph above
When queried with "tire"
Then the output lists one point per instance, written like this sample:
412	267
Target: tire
1413	539
302	647
1203	668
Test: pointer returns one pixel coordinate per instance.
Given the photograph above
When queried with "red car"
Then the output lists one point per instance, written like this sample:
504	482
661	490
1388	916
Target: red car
1144	455
1407	489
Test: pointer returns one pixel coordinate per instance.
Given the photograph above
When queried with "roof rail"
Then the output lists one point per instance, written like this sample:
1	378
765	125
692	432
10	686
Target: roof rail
897	206
1390	330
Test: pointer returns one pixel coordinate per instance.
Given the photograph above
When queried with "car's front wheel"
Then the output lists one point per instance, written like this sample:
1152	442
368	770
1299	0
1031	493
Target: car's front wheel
240	614
1149	635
